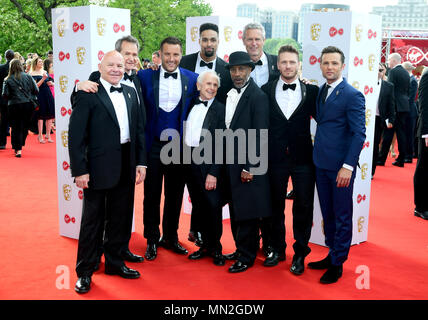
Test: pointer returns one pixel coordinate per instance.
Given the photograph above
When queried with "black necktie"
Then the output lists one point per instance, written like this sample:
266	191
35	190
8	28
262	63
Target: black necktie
259	63
324	93
199	101
286	86
170	74
127	77
204	64
118	89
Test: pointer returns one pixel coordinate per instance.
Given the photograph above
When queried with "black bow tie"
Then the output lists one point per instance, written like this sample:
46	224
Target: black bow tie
118	89
204	64
286	86
127	77
259	63
199	101
170	74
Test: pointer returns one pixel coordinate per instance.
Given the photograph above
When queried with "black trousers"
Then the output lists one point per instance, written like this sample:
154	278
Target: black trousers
19	117
420	179
379	129
206	208
173	176
410	133
303	179
400	129
108	212
4	122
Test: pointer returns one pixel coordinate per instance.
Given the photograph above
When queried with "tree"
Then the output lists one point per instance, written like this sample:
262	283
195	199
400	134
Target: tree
272	45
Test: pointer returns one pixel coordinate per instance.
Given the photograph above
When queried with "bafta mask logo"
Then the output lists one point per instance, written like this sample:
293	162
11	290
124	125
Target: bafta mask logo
313	81
364	169
361	221
322	227
63	83
64	138
356	85
60	26
194	33
358	32
372	60
101	26
315	31
66	188
227	33
80	52
368	116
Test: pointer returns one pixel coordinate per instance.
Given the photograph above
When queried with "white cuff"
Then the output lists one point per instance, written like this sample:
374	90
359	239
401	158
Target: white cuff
347	166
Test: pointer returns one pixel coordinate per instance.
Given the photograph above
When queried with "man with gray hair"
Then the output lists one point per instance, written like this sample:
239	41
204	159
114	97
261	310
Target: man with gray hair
266	69
400	78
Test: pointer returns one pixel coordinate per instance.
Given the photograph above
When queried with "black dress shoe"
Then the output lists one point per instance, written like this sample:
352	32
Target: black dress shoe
83	284
238	266
267	250
290	195
218	259
151	251
398	164
322	264
198	254
195	237
174	246
273	259
232	256
332	274
298	265
408	160
123	271
130	257
421	214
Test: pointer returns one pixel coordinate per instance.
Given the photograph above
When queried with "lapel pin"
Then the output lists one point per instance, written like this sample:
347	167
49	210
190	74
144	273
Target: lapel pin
337	92
129	95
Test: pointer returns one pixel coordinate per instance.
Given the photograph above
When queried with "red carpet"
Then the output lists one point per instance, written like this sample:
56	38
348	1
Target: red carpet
395	257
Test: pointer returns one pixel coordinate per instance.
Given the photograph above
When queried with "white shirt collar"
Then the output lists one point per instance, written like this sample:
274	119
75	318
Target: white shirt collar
296	81
335	84
210	102
108	85
162	72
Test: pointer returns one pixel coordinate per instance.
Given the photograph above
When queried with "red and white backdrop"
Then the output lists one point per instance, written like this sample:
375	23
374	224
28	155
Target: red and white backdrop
359	36
81	36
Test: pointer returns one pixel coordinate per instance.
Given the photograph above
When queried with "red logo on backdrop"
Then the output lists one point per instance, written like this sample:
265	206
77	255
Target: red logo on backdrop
65	165
240	34
69	219
76	27
313	60
361	198
358	61
117	28
372	34
63	56
416	55
100	55
64	111
226	58
188	199
80	194
366	145
333	31
76	81
368	90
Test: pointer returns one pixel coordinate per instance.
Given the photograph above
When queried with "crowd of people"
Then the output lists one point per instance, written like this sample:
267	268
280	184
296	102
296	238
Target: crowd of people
129	119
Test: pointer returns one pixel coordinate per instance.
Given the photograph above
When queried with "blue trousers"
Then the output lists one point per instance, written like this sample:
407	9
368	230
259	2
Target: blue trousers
336	208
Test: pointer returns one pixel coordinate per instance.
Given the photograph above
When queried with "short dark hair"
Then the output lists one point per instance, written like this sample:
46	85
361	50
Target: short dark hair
9	55
49	52
208	26
332	49
288	48
129	38
171	40
156	53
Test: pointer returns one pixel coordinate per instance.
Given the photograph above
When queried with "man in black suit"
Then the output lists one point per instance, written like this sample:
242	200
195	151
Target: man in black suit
247	117
413	112
401	80
106	147
292	104
207	59
385	113
204	178
420	179
4	126
266	69
128	47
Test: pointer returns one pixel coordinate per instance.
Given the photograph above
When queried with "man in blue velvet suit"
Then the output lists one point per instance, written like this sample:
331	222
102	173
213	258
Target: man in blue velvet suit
338	142
167	94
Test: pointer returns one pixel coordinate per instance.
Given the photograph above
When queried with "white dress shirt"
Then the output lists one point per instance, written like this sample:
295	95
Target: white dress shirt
260	74
194	123
199	69
288	100
119	104
130	84
232	101
169	91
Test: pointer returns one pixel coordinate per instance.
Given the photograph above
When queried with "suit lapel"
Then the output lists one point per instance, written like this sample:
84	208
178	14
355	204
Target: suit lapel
302	101
155	82
128	100
209	118
242	103
105	99
273	94
184	87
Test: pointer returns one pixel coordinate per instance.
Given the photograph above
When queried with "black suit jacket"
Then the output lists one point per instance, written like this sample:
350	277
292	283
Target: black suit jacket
94	137
401	80
423	105
4	71
273	67
250	200
189	62
386	102
291	136
413	89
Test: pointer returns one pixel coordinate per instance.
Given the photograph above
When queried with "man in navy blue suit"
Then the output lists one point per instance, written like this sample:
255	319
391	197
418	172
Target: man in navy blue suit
338	142
167	94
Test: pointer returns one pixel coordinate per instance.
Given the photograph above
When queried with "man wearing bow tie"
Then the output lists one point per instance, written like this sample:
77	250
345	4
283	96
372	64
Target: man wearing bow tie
266	69
107	154
167	93
292	104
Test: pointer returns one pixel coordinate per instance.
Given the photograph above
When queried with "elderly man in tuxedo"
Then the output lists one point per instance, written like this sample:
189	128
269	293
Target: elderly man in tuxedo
106	146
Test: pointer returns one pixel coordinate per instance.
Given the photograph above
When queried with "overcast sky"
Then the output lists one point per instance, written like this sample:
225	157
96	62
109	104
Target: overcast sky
228	7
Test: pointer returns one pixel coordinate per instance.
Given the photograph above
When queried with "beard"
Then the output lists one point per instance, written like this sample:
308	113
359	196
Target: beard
209	54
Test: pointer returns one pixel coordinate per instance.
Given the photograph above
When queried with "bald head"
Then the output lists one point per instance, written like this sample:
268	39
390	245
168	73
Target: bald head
394	59
112	67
